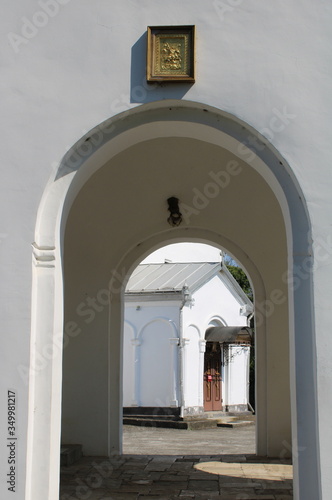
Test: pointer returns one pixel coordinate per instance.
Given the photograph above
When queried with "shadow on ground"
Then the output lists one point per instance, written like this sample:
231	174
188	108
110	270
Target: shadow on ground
140	477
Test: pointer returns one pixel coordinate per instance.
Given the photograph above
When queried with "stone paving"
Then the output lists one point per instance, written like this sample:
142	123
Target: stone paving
225	476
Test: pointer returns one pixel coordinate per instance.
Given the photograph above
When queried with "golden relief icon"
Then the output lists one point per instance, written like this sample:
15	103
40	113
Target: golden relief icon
170	54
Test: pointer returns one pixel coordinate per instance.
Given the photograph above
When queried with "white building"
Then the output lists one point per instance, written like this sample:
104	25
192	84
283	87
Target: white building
178	355
90	155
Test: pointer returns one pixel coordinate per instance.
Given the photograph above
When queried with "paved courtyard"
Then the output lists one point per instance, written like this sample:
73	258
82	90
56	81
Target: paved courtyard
170	463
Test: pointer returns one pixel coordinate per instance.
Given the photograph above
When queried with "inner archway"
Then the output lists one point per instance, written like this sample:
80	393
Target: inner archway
176	300
94	242
109	208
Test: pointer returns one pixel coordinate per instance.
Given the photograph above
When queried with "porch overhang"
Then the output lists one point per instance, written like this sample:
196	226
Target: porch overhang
229	334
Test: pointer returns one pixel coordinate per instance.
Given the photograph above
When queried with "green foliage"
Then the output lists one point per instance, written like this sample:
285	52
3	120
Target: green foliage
242	280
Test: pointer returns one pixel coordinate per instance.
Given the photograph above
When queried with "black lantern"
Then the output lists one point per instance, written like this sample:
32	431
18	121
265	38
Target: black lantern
175	217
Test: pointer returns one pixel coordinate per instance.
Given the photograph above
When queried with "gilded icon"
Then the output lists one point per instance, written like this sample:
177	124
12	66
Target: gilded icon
170	53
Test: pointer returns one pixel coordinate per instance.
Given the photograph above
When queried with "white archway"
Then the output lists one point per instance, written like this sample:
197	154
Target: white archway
193	135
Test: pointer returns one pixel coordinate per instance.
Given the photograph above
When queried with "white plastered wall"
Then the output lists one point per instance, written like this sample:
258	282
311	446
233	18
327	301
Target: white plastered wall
237	378
254	60
150	354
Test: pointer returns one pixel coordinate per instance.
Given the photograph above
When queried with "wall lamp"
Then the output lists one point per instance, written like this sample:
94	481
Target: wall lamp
175	217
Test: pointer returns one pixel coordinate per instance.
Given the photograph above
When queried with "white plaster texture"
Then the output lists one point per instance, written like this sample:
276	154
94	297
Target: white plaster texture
150	367
266	63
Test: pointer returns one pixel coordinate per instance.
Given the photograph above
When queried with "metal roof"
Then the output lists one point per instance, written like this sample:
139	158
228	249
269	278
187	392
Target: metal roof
171	277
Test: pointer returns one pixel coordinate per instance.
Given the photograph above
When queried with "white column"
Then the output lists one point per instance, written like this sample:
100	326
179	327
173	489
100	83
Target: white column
174	371
44	420
185	375
202	347
135	397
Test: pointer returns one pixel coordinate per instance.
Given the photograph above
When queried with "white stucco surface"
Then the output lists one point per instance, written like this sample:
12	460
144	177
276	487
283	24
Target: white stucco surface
150	365
237	391
78	63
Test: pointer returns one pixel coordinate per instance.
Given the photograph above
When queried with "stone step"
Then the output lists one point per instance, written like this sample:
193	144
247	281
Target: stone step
239	415
197	424
70	453
155	422
232	425
153	417
140	411
191	422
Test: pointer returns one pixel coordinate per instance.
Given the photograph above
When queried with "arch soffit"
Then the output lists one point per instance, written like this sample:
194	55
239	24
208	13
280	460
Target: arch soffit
168	119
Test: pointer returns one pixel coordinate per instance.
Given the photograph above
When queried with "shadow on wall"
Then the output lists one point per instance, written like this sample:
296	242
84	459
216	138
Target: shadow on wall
140	90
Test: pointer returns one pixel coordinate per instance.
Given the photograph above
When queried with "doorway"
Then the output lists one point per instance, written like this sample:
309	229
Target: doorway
212	377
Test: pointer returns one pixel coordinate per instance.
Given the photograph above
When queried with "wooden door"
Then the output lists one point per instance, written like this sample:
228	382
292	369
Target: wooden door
212	377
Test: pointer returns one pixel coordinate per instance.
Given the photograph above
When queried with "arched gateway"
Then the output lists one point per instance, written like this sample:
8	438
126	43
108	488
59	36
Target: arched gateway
102	212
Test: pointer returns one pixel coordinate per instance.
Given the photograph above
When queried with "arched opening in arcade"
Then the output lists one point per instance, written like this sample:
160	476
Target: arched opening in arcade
188	351
104	212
